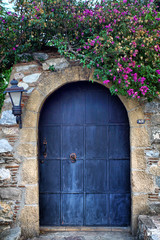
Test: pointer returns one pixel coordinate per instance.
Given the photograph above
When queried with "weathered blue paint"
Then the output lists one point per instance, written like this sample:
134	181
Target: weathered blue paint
83	118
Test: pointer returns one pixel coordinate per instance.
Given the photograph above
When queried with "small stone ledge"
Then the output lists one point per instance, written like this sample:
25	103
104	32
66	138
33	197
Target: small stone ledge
148	227
11	234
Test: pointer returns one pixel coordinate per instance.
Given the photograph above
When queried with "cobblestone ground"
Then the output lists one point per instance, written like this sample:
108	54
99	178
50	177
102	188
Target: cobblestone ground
85	236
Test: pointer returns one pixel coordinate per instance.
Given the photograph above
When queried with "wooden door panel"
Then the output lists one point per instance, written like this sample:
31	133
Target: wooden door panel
117	111
119	209
96	107
73	139
97	209
72	176
119	176
52	135
72	209
50	209
96	176
49	176
119	142
73	107
96	142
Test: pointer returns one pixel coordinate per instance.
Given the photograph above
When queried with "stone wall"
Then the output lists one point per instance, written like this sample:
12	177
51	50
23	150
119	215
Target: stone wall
18	148
148	228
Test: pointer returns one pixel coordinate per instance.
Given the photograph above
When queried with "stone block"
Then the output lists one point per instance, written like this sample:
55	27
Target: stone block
18	76
138	160
152	153
154	170
28	135
35	101
7	118
139	137
31	78
11	234
134	224
25	57
40	56
140	204
155	134
10	193
158	181
129	104
4	174
85	74
6	212
57	63
3	228
152	107
30	120
29	172
154	208
155	119
142	182
30	90
10	131
49	82
69	75
24	68
24	85
5	146
134	115
29	218
32	195
27	150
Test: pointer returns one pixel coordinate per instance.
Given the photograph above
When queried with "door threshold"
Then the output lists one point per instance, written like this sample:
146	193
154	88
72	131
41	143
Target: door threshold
84	229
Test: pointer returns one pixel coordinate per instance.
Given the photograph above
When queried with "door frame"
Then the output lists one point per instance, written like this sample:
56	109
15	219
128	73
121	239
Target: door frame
28	147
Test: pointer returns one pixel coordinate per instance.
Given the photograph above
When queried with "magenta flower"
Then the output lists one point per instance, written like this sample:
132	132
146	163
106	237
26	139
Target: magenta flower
158	71
92	43
125	76
135	77
144	89
124	1
106	81
130	91
14	48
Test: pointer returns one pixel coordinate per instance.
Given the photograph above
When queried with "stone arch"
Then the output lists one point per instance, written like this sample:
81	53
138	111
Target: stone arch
141	183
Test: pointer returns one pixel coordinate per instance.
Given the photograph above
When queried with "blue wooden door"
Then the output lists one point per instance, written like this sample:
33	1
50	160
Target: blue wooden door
84	120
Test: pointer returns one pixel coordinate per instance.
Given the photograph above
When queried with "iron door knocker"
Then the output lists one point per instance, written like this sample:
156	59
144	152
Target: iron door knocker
73	157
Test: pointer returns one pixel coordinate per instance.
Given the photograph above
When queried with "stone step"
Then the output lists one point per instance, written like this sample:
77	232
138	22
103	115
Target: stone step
85	236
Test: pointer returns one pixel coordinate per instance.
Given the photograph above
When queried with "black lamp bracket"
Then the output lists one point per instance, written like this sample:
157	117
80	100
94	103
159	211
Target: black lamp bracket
19	121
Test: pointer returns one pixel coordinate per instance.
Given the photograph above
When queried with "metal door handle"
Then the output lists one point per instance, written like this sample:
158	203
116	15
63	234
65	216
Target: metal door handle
73	157
44	150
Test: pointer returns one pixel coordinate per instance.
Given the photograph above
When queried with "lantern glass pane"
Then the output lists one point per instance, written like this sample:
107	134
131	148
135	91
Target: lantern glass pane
16	96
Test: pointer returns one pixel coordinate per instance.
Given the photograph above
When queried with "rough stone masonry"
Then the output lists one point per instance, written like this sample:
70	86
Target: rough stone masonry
18	148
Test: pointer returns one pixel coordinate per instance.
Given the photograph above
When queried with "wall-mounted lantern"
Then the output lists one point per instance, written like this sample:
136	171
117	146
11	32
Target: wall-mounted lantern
15	94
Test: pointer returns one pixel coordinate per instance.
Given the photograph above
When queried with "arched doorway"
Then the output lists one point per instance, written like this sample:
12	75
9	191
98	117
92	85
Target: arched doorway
83	118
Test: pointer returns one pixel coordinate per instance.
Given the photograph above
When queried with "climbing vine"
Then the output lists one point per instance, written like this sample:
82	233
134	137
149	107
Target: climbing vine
119	39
